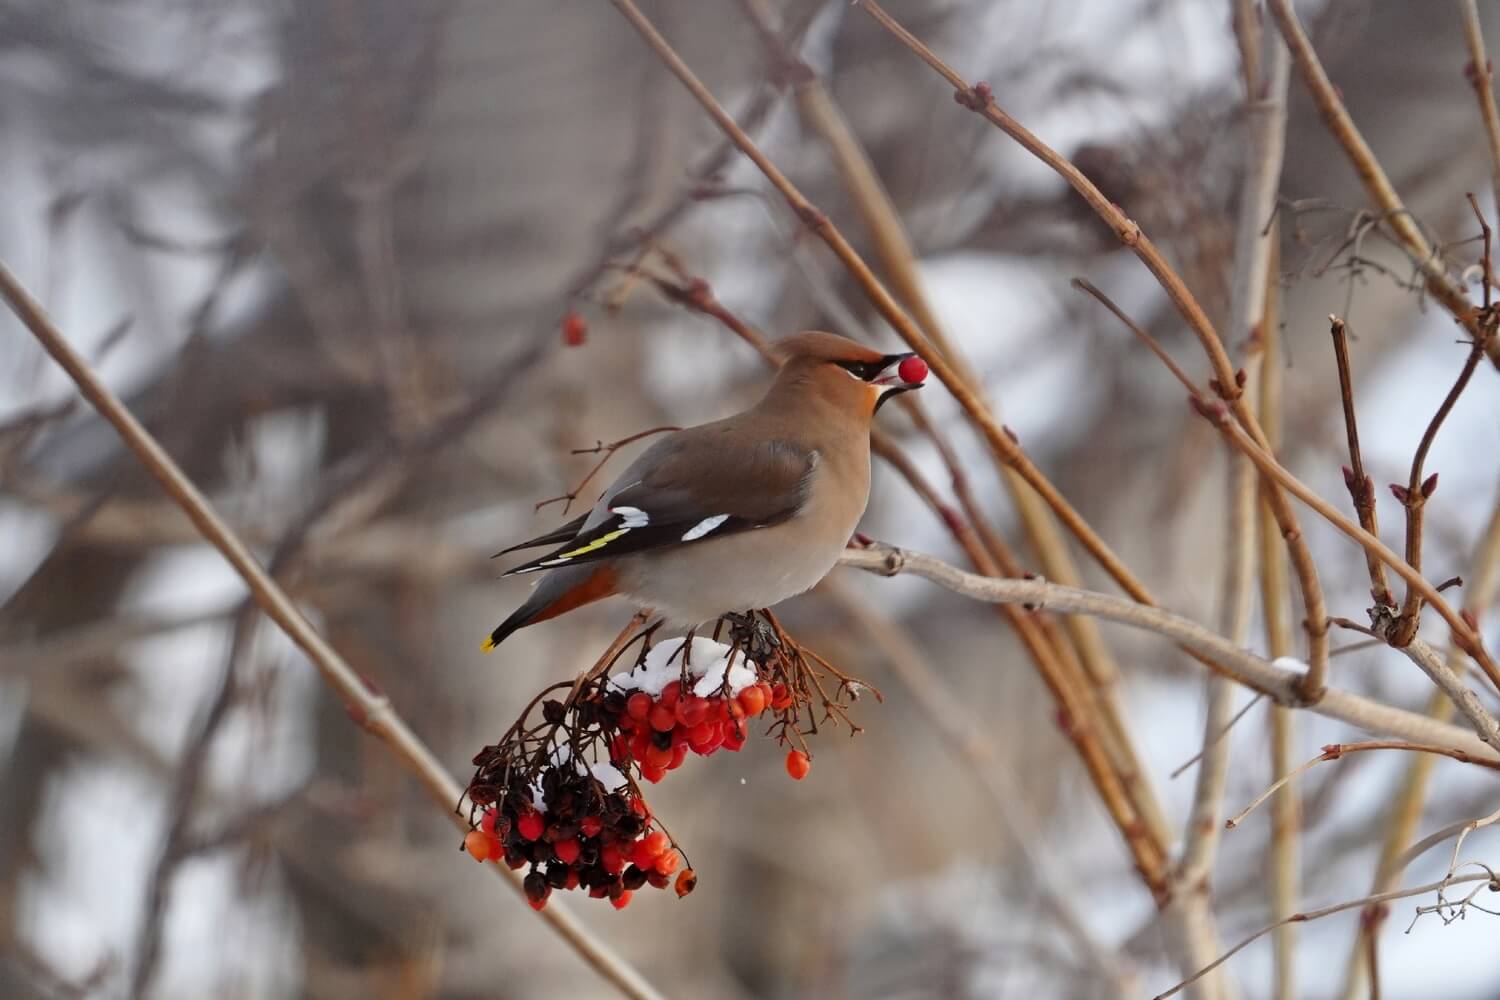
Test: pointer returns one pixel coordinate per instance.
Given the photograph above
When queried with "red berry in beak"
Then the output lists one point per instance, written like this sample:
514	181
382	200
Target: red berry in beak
913	369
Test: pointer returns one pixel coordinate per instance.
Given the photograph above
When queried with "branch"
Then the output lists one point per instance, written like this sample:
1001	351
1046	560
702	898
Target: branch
1274	681
374	711
1377	185
1361	486
1327	911
1481	75
1336	751
1227	383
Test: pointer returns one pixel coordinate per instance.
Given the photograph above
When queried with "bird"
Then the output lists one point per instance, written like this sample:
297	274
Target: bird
734	515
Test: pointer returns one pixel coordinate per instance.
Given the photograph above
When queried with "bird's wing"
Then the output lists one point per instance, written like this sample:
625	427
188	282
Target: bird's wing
688	489
553	537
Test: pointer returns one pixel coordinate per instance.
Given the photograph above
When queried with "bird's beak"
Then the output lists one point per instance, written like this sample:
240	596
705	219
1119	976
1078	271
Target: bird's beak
890	380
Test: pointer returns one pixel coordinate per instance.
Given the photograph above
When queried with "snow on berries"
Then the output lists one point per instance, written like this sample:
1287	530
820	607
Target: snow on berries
558	794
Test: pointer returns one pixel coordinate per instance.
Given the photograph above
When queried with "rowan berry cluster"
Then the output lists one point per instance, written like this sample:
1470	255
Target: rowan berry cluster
574	832
558	795
709	706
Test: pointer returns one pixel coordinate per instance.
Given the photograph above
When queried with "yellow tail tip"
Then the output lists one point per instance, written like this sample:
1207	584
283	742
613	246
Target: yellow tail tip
488	646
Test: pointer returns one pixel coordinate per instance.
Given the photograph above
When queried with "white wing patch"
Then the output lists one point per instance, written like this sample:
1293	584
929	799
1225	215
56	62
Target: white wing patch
704	526
631	517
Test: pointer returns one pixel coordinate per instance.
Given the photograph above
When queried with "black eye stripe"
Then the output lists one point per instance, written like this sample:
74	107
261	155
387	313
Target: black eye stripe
868	370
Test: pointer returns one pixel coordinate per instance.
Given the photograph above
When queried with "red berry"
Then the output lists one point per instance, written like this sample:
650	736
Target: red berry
640	743
780	697
538	904
573	879
622	900
668	862
567	851
639	807
638	706
657	757
487	822
734	736
477	843
590	826
530	825
619	749
650	847
798	764
913	369
612	859
669	694
691	710
679	754
663	719
753	700
687	881
706	737
652	773
574	330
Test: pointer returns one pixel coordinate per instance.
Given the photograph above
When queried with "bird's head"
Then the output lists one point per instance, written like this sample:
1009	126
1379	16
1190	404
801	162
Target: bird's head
846	373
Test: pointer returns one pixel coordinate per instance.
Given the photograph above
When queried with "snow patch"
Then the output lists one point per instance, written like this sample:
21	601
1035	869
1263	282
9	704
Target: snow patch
709	661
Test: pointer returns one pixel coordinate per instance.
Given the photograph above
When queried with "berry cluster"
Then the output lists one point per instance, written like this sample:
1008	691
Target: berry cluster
557	794
658	728
576	833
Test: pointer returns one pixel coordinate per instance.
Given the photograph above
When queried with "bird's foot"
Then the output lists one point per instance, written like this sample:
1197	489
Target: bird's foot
753	634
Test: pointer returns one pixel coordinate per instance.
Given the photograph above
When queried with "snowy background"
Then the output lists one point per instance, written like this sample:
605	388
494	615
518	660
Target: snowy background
297	238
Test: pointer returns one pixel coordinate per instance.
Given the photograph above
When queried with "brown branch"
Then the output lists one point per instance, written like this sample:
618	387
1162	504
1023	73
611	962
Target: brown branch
375	711
1227	383
1327	911
1336	751
1254	672
1481	75
1283	865
1361	486
1464	632
1377	185
1418	490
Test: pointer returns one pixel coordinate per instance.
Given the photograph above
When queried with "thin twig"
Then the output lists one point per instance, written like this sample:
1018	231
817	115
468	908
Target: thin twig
1227	383
1464	633
1361	486
1481	75
1336	118
1418	489
608	451
1327	911
374	711
1336	751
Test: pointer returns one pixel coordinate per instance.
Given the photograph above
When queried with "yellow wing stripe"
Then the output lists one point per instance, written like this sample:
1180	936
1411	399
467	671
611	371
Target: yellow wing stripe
597	543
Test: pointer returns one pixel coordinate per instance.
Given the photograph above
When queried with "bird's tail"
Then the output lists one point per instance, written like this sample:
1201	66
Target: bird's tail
560	591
